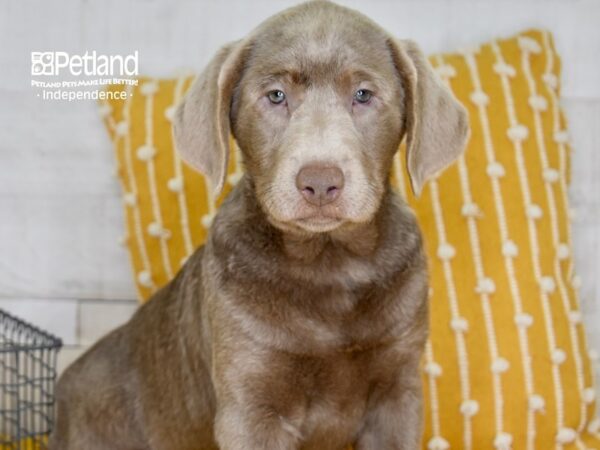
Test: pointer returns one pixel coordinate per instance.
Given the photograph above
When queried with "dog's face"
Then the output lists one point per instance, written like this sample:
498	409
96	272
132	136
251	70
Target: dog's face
318	98
318	114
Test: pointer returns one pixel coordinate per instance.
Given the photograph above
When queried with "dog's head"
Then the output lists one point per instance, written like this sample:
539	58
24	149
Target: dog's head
318	98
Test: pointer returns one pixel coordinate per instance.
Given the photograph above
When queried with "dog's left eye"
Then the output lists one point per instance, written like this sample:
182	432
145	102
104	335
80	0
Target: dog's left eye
363	96
276	97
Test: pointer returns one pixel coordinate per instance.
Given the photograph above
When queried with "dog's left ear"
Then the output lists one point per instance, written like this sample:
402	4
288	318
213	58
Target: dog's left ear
202	126
436	123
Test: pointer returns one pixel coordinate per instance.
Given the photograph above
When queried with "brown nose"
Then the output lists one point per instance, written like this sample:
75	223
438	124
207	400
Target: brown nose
320	184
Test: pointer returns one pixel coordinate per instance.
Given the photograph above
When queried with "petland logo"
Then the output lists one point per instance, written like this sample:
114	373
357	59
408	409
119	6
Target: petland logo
88	64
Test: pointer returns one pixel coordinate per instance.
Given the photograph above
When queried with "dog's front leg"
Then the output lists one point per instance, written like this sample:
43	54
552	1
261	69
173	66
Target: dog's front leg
242	428
394	422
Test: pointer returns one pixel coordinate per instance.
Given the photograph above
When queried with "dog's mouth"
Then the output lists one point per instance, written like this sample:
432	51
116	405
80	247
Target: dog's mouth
299	216
319	219
319	223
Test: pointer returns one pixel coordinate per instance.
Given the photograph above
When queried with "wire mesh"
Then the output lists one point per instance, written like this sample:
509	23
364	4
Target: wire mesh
27	377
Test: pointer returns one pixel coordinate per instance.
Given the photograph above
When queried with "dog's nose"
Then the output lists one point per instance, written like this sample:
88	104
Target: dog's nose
320	184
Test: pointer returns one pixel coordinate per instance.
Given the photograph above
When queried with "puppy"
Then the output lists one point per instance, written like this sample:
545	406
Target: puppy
300	323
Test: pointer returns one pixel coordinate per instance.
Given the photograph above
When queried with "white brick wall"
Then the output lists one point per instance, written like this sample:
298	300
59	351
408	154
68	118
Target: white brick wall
99	317
60	213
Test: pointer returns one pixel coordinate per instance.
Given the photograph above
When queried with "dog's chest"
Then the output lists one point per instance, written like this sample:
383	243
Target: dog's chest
332	395
341	320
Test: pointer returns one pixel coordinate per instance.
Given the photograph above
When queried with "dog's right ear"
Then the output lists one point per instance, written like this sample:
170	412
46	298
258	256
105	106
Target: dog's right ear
202	126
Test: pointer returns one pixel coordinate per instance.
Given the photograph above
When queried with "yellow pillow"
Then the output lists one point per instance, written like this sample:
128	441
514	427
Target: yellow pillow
507	364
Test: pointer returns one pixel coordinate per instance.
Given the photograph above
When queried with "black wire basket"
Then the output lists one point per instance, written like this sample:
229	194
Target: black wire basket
27	377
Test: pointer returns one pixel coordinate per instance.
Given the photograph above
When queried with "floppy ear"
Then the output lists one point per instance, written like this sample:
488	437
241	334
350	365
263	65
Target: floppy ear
201	126
436	123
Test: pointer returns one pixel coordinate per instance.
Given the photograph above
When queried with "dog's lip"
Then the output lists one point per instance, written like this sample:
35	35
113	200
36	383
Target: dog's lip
318	223
325	213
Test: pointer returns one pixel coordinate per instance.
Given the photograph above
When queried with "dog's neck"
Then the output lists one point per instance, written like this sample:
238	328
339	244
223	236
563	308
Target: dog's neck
351	256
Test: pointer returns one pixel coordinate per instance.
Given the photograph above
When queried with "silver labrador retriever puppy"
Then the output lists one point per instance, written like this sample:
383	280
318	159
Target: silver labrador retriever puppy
300	324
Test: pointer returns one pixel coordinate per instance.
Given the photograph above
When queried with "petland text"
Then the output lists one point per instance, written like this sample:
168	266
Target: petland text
89	64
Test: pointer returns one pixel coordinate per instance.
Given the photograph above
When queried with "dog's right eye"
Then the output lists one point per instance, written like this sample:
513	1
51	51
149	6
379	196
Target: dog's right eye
363	96
276	97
